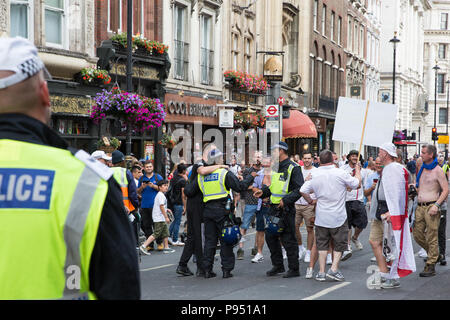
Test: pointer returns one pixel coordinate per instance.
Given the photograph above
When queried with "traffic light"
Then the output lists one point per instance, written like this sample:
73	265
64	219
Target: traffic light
434	135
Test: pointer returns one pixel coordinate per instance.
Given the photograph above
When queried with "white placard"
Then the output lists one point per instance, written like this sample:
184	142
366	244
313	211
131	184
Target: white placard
272	126
272	111
226	118
349	122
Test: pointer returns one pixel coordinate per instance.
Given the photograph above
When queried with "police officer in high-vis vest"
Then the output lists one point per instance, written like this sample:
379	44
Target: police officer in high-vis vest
64	233
215	188
283	192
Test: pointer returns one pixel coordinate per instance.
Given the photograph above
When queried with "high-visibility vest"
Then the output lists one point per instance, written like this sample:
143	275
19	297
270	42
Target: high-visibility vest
445	168
279	185
120	175
213	185
50	208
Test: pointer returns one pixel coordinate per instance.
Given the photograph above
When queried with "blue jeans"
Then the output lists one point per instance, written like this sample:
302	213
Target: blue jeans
175	226
249	212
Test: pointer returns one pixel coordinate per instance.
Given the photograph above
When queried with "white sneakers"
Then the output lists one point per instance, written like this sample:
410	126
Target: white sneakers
329	259
169	239
309	273
258	258
346	254
357	244
307	256
178	243
422	253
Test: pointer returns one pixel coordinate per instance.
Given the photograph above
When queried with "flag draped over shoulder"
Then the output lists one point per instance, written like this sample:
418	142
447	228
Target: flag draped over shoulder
395	184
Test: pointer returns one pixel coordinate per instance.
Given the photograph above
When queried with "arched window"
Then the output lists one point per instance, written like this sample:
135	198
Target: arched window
323	90
333	77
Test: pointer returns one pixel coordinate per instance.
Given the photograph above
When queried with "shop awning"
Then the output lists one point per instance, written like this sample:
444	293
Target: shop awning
299	125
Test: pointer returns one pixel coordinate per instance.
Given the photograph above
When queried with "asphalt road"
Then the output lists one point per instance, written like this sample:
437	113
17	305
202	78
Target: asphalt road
159	281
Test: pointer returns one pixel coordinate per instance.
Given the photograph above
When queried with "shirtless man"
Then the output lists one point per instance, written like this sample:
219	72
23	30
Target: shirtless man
432	192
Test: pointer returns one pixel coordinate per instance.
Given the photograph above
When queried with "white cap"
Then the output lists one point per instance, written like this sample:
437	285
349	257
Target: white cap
99	154
389	148
21	57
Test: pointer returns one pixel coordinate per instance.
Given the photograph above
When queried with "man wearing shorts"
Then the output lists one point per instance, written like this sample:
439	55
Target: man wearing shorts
305	212
330	186
354	205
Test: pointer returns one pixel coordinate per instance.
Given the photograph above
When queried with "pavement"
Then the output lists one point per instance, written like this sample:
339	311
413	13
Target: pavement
159	281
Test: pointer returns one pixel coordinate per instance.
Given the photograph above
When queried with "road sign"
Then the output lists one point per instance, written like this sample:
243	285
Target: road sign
272	111
272	126
281	101
443	139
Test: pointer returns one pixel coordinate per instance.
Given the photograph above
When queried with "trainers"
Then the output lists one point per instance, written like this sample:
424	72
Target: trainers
428	271
373	259
336	276
284	253
320	276
301	252
307	256
160	247
168	250
178	243
422	253
144	251
170	240
240	254
390	284
309	273
357	244
329	259
258	258
347	254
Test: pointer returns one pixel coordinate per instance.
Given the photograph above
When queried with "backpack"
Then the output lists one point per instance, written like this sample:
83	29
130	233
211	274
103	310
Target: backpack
170	195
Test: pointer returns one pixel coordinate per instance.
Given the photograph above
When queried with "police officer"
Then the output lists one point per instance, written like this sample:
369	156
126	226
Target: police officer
215	188
63	211
287	179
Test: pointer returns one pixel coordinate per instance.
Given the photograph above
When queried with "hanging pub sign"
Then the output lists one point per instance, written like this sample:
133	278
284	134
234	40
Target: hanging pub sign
273	67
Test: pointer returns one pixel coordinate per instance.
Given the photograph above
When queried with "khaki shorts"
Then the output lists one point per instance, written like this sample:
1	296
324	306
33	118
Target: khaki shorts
339	236
160	230
304	212
376	231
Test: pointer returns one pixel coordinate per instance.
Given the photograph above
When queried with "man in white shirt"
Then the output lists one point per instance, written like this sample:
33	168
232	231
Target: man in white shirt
356	211
329	184
305	211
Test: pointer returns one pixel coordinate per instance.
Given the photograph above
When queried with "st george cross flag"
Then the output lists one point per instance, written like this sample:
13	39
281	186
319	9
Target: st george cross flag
395	184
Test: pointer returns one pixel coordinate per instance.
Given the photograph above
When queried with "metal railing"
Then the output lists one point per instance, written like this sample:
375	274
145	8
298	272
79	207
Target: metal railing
181	60
207	66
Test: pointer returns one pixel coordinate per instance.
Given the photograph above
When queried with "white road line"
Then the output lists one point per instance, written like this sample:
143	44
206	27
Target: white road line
159	267
326	291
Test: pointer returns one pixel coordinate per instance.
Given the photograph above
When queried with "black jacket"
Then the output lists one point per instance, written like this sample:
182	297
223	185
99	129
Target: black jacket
295	184
114	269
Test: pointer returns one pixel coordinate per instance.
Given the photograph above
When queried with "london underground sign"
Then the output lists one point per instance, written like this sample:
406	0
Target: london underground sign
272	111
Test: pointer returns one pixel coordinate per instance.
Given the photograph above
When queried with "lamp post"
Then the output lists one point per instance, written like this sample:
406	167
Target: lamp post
435	68
446	121
394	42
129	71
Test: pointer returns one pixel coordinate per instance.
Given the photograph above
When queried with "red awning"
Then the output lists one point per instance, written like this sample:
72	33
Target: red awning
299	125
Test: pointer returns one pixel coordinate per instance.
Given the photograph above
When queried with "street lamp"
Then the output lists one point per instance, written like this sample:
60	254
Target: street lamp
435	68
394	42
129	70
446	121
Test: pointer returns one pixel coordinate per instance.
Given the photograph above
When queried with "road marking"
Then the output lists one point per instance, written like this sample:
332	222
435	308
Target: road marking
159	267
326	291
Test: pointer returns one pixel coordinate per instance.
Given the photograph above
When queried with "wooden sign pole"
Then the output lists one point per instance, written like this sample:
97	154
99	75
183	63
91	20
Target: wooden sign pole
363	129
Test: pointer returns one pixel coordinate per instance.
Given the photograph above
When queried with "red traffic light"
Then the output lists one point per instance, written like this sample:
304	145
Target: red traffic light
433	130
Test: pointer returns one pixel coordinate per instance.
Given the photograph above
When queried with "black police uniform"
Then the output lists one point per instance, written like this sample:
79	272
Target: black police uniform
214	215
287	237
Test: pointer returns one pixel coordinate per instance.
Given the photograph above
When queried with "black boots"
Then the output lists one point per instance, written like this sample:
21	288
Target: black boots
227	274
184	271
274	271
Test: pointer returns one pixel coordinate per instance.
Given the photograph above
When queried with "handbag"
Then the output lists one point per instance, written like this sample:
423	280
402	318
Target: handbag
382	206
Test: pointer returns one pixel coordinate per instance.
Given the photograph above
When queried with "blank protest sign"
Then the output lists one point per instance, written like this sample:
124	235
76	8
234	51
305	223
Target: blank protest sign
380	122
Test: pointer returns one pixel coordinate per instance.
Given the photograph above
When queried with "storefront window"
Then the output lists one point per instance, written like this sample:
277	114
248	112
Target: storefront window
72	126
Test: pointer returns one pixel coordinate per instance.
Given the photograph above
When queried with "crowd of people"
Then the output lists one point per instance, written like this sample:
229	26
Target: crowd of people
334	199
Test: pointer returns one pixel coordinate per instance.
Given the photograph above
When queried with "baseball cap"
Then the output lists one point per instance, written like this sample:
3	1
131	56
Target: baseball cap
214	153
99	154
20	56
389	148
280	145
117	157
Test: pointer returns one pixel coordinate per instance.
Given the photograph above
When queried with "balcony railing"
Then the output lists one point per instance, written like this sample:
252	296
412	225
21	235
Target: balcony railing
207	66
181	60
327	105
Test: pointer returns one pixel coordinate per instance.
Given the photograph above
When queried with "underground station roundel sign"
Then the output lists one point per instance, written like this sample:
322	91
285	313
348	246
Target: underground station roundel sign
272	111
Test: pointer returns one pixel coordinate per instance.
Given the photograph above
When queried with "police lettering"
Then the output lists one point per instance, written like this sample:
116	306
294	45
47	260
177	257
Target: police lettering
25	188
212	177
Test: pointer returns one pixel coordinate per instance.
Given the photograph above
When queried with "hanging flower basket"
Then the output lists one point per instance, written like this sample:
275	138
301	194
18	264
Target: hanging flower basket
109	145
246	82
138	112
167	141
93	76
248	121
141	45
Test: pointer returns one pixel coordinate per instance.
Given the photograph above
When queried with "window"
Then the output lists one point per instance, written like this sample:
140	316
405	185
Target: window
115	16
332	26
443	115
247	55
21	19
441	52
349	33
339	30
361	42
54	22
235	51
316	9
207	55
444	21
355	38
181	54
440	82
324	19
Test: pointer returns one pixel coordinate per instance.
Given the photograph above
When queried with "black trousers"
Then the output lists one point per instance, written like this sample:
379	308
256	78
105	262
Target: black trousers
441	232
147	223
214	218
193	244
288	240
